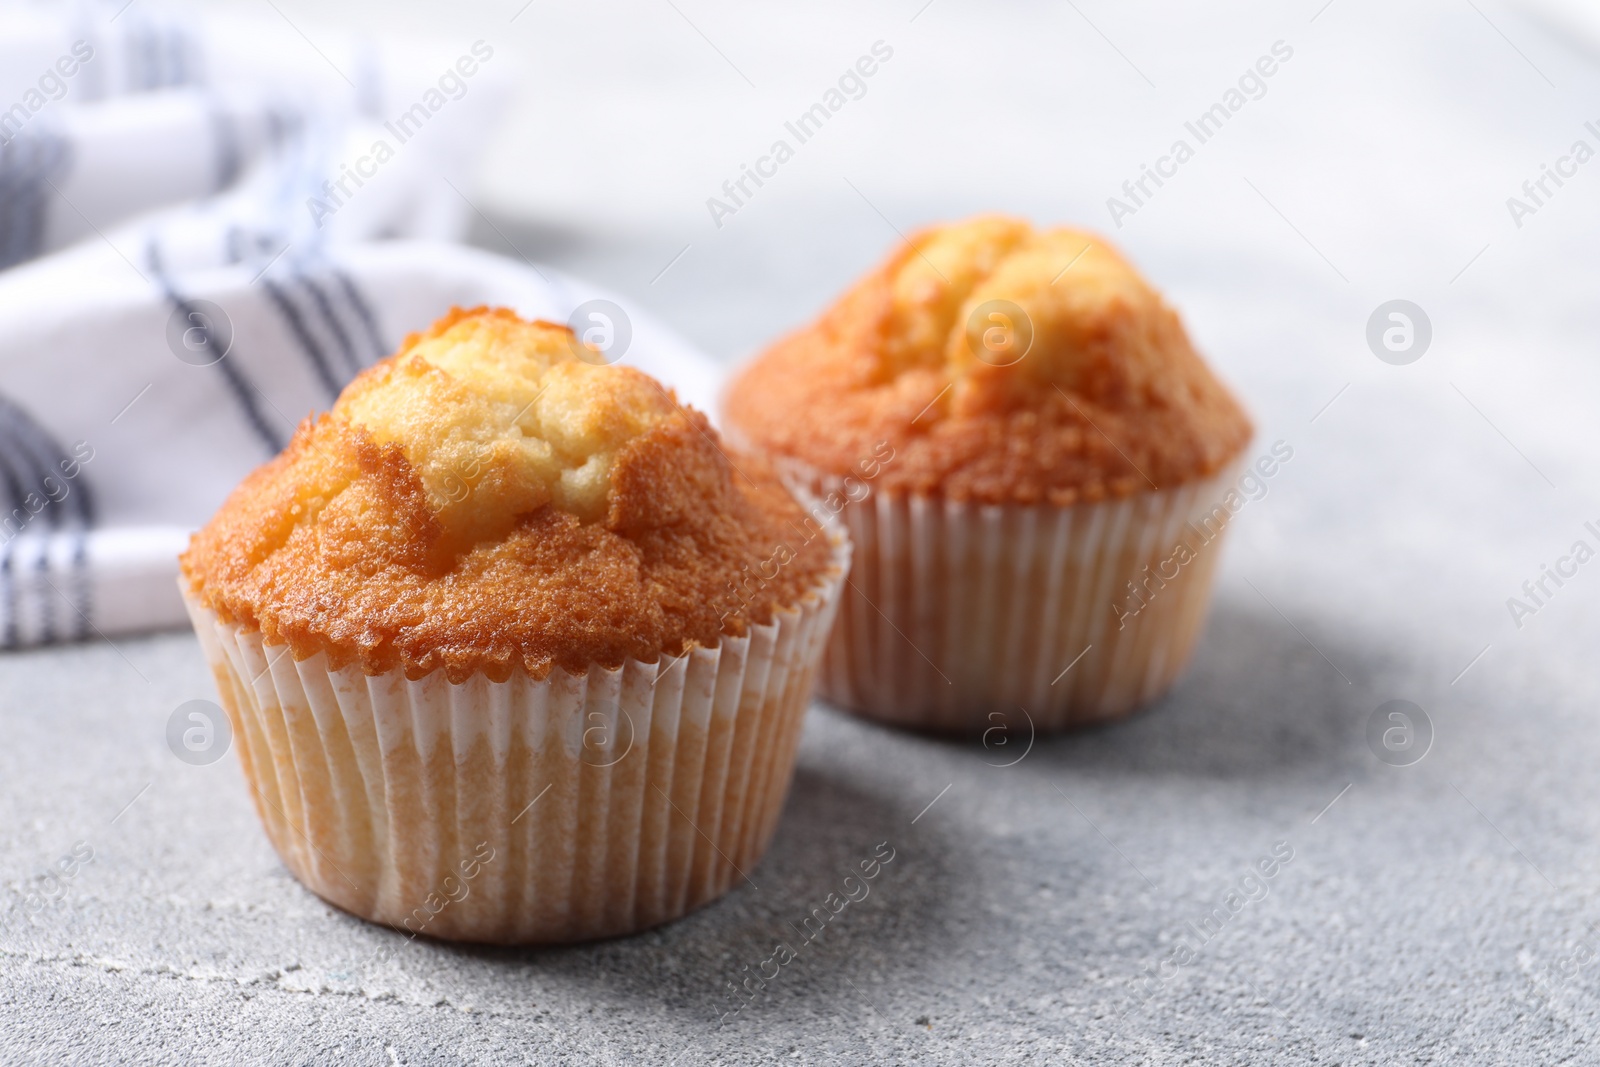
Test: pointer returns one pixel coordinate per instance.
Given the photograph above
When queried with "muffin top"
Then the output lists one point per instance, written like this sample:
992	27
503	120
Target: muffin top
486	499
994	363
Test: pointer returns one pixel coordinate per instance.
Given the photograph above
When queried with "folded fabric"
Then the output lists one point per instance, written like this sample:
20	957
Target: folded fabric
207	236
109	110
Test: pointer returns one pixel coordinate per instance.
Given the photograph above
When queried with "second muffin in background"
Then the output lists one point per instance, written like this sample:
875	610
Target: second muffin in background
1033	463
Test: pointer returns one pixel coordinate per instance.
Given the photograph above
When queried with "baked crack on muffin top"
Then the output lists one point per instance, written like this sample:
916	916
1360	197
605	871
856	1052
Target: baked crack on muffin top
485	500
1109	399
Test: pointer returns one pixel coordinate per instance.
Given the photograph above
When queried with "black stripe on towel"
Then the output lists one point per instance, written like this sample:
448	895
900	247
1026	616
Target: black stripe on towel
24	479
363	308
33	457
302	335
8	599
341	336
244	392
227	159
14	494
84	585
22	452
29	162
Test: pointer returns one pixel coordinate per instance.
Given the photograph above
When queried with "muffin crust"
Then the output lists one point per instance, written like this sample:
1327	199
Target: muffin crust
485	499
1108	399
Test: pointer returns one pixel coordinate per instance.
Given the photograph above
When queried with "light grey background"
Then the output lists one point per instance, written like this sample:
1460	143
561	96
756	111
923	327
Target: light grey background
1435	913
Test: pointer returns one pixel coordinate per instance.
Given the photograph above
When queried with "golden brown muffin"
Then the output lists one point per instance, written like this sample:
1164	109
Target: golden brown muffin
1022	442
1109	398
484	499
551	646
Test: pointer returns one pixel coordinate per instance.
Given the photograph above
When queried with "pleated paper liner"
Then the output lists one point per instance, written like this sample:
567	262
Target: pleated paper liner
961	617
574	807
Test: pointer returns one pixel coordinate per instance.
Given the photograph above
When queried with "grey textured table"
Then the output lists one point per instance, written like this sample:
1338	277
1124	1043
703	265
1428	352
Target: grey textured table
1424	916
1033	913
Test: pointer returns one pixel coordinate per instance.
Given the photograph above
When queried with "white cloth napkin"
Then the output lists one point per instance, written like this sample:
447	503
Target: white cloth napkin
185	279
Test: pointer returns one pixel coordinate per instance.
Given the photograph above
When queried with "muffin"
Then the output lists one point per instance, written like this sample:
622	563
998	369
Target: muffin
512	650
1034	466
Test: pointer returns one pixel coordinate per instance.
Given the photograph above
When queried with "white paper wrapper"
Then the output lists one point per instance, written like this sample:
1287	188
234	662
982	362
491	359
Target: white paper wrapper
962	618
576	807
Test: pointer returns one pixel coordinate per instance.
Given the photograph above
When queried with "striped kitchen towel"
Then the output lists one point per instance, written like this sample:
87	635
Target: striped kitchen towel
206	229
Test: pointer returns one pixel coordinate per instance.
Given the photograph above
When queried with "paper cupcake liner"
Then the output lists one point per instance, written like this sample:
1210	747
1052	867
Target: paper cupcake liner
574	807
961	617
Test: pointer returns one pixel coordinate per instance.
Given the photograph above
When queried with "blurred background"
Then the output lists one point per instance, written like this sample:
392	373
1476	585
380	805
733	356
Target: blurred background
1378	161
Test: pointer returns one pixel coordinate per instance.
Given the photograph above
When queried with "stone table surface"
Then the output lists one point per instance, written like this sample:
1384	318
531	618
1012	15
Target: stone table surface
1053	902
